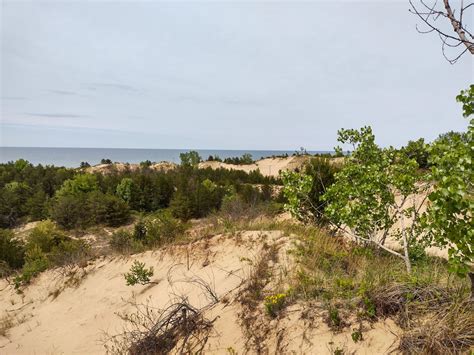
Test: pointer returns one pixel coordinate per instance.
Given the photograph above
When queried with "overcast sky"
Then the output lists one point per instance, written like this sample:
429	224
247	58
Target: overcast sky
221	75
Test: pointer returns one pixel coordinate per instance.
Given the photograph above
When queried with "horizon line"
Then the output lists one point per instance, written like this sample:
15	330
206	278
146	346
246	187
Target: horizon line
186	149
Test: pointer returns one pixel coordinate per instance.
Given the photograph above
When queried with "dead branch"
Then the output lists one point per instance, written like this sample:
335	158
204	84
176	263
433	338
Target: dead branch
446	16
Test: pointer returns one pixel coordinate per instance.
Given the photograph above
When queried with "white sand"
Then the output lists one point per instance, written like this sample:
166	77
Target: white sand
74	322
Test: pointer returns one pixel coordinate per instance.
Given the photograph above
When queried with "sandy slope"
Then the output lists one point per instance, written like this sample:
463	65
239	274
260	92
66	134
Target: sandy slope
120	167
68	312
267	166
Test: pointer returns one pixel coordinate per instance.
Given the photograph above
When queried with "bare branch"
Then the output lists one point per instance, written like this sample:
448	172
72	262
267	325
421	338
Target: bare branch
429	14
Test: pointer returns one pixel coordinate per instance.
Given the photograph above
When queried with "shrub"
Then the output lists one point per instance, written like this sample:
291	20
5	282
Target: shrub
12	251
45	236
81	183
124	242
69	252
35	262
149	232
138	274
145	164
36	206
196	199
48	246
106	161
115	212
86	209
158	229
245	159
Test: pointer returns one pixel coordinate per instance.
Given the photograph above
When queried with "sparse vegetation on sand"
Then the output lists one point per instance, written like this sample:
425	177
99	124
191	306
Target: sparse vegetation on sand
349	261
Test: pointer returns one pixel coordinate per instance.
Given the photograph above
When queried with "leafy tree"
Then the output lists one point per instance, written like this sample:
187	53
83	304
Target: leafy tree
372	193
79	184
13	198
36	205
190	159
124	189
246	158
417	150
106	161
22	164
296	189
70	211
450	214
84	164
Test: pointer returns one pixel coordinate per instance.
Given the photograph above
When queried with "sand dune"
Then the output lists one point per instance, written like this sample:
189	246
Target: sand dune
267	166
70	311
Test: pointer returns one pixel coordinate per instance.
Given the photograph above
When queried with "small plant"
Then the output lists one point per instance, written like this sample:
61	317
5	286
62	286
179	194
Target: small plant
356	336
370	310
274	304
138	274
334	318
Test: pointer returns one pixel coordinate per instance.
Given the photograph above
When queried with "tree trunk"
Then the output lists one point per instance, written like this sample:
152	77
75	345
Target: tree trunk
405	243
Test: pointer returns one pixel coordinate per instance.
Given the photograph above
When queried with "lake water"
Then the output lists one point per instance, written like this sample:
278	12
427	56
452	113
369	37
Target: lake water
72	157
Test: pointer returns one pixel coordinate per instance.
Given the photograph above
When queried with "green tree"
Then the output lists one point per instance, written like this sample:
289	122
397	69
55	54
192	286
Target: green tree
450	214
13	198
418	150
125	189
145	164
79	184
372	193
190	159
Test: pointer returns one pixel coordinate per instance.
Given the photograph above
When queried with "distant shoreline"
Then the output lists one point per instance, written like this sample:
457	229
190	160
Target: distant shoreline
72	157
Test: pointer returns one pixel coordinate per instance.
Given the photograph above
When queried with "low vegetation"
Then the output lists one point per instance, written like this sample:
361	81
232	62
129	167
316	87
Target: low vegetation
345	269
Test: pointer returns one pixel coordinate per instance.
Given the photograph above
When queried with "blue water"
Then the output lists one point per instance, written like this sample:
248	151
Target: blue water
72	157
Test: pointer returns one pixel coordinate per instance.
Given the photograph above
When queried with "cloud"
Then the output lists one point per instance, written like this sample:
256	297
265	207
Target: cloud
219	100
63	92
123	87
54	115
16	98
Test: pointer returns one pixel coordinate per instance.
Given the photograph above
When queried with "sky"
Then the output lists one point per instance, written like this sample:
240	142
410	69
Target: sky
221	75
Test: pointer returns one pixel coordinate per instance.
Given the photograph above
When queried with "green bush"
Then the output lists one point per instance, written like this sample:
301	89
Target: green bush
45	236
87	209
48	246
12	251
195	198
36	262
162	229
69	252
69	211
322	172
151	231
123	242
138	274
